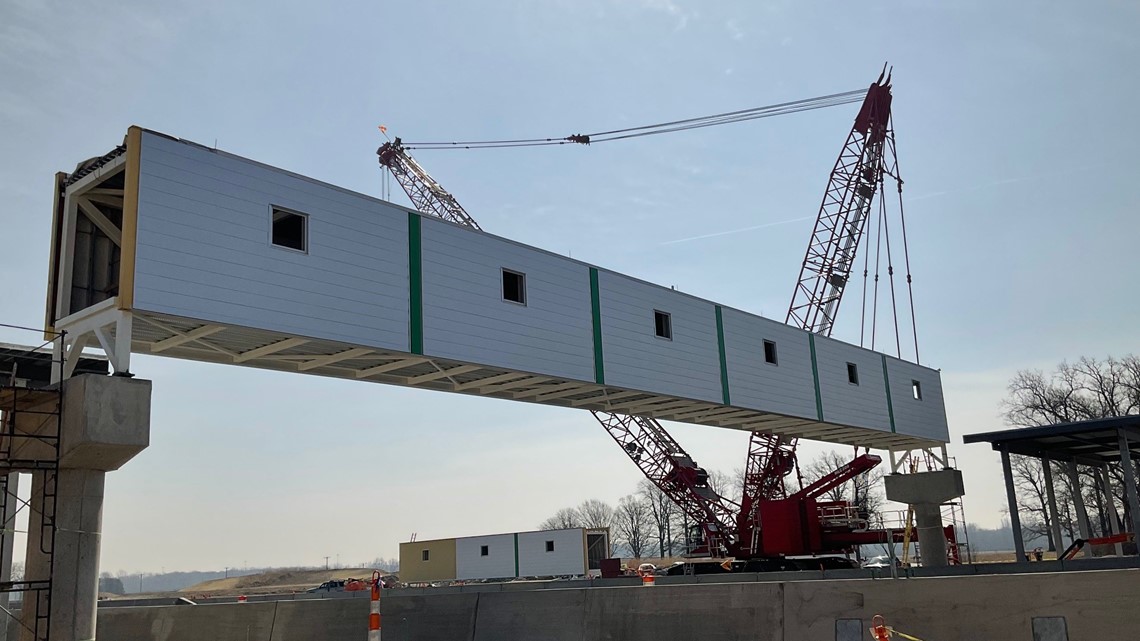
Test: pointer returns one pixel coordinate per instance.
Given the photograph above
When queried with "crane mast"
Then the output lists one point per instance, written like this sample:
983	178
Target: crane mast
644	440
823	278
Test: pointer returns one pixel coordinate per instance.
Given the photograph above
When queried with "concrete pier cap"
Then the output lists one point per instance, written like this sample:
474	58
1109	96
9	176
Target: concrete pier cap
926	492
106	421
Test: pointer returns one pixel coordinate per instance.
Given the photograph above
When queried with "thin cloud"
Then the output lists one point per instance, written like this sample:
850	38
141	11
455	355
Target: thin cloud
737	231
734	30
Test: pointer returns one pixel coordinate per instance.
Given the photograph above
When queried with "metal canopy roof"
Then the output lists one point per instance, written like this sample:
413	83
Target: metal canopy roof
1093	441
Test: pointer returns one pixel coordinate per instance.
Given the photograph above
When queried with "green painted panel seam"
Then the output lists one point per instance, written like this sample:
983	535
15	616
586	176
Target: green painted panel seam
596	315
516	554
815	376
415	285
723	359
887	383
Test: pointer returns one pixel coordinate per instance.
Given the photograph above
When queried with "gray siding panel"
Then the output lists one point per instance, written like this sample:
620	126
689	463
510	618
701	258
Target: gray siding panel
499	562
204	249
862	405
926	417
688	366
466	318
786	387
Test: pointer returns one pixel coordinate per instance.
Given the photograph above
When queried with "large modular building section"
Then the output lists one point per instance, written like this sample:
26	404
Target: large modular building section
214	257
567	552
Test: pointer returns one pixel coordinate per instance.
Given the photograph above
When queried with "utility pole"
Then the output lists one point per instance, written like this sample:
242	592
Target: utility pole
227	571
326	563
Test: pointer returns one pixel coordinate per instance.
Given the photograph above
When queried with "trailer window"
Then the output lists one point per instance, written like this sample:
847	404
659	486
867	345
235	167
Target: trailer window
550	546
916	390
770	352
484	550
853	373
663	324
425	557
290	229
514	286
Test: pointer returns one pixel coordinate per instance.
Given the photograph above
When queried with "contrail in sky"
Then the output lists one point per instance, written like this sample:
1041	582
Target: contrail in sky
736	231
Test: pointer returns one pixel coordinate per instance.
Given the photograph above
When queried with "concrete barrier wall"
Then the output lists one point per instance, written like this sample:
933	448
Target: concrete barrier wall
1093	605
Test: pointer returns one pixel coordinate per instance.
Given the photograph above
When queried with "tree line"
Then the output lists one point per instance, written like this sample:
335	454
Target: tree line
648	524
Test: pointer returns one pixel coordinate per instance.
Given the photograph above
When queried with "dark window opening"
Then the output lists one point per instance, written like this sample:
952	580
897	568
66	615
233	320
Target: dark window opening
663	324
916	390
770	352
485	550
514	287
550	546
425	555
853	373
290	229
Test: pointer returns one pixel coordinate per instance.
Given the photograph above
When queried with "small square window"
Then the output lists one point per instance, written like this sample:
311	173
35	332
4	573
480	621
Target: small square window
485	550
663	324
770	352
290	229
916	390
425	555
550	546
514	287
853	373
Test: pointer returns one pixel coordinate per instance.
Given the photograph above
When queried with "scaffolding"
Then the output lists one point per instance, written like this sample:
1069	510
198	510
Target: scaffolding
32	410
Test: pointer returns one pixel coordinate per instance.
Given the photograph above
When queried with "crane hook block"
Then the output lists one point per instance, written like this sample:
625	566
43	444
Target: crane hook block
581	139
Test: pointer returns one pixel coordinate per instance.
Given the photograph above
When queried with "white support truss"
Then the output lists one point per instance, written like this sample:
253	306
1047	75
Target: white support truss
103	324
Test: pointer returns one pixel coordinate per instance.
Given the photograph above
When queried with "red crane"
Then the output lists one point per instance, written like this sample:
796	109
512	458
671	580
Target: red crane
826	271
727	528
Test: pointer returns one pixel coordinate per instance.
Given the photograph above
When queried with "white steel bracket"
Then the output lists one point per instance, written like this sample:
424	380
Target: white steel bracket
102	323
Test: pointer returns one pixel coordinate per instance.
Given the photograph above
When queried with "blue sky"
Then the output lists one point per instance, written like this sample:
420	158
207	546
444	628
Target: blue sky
1016	134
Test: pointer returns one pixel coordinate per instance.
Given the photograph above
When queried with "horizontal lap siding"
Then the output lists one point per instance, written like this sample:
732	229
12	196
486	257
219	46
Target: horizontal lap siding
568	557
499	562
688	366
784	388
926	417
466	318
862	405
204	250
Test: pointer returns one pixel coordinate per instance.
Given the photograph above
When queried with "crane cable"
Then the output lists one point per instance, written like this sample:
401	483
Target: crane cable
795	106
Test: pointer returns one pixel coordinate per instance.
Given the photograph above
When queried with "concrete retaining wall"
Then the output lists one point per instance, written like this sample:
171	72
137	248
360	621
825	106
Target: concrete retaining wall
1088	605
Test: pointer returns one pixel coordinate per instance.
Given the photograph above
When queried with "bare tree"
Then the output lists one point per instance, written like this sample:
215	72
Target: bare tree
565	518
632	524
663	516
595	513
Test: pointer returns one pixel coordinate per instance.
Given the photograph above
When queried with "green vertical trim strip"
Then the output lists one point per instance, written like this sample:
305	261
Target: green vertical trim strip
516	554
723	360
416	285
815	376
596	314
887	383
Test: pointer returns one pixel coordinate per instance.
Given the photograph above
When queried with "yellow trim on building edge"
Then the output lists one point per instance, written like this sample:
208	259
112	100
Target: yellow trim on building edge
53	256
130	219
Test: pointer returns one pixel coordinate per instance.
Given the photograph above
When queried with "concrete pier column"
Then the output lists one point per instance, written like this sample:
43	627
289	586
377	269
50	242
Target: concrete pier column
927	491
36	562
79	520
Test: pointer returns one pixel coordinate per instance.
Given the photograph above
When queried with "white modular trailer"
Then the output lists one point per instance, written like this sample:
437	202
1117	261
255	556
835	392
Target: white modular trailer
169	247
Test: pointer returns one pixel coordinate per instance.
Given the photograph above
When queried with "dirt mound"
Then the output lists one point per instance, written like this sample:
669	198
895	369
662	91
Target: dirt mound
284	580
